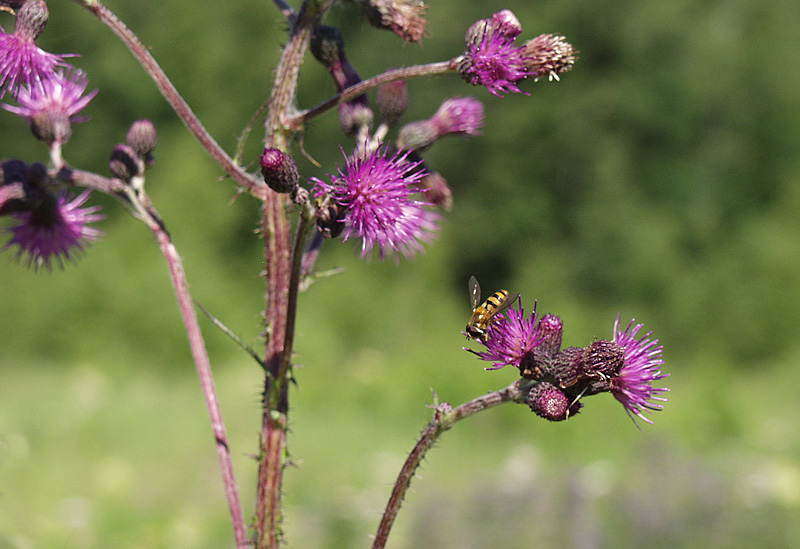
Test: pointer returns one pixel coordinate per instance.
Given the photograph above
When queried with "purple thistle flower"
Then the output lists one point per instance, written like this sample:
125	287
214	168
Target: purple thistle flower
53	228
53	105
641	367
374	192
495	61
510	340
21	60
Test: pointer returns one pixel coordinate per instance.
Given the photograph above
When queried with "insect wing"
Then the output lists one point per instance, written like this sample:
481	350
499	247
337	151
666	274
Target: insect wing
474	292
506	304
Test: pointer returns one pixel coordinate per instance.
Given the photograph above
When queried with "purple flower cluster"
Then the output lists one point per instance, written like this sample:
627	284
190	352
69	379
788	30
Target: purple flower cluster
47	224
626	366
493	58
372	196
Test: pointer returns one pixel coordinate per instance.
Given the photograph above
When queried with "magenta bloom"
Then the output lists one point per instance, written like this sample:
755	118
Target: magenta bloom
22	62
495	61
54	229
510	340
59	95
641	367
375	192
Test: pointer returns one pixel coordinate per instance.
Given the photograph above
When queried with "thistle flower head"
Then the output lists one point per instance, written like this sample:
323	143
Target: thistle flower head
53	229
551	403
52	105
22	62
494	60
373	194
511	340
632	386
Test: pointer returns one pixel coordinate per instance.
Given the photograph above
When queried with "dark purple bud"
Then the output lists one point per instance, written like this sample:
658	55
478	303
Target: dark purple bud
602	360
279	171
392	101
549	402
125	163
568	366
327	45
142	137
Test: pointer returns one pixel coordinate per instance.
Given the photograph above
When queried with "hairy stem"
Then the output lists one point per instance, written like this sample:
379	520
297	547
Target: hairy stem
280	310
444	417
364	86
253	185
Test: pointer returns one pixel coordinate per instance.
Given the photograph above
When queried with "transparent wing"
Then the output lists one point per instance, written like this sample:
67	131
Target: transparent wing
507	303
474	293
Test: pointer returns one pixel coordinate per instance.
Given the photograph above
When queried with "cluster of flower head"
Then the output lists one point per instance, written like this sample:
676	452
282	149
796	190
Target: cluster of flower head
494	60
627	365
48	225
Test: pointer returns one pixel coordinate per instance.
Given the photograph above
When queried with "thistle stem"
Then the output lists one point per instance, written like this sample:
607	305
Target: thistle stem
354	91
444	417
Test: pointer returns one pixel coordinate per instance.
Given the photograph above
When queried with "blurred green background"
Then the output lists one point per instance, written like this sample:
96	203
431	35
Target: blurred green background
660	178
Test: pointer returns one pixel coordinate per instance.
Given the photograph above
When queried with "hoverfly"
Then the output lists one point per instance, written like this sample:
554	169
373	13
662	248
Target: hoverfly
483	313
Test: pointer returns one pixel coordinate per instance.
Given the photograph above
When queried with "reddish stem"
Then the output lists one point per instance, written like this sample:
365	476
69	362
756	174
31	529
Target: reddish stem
443	419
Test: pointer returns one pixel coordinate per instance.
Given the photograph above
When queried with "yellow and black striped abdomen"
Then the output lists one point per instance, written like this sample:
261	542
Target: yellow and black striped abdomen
484	313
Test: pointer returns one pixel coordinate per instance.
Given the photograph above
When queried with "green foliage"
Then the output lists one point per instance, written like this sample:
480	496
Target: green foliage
660	178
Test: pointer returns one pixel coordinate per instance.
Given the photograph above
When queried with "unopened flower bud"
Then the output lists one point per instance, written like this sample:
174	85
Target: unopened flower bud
568	367
299	195
406	18
549	55
327	45
436	191
551	329
417	135
392	101
355	115
502	24
279	171
459	115
142	137
507	23
31	20
125	163
603	360
549	402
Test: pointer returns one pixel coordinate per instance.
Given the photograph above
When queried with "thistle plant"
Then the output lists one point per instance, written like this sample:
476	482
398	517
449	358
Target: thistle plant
384	195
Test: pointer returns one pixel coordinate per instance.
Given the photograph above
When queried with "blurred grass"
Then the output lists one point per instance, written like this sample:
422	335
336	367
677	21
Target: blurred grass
660	179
